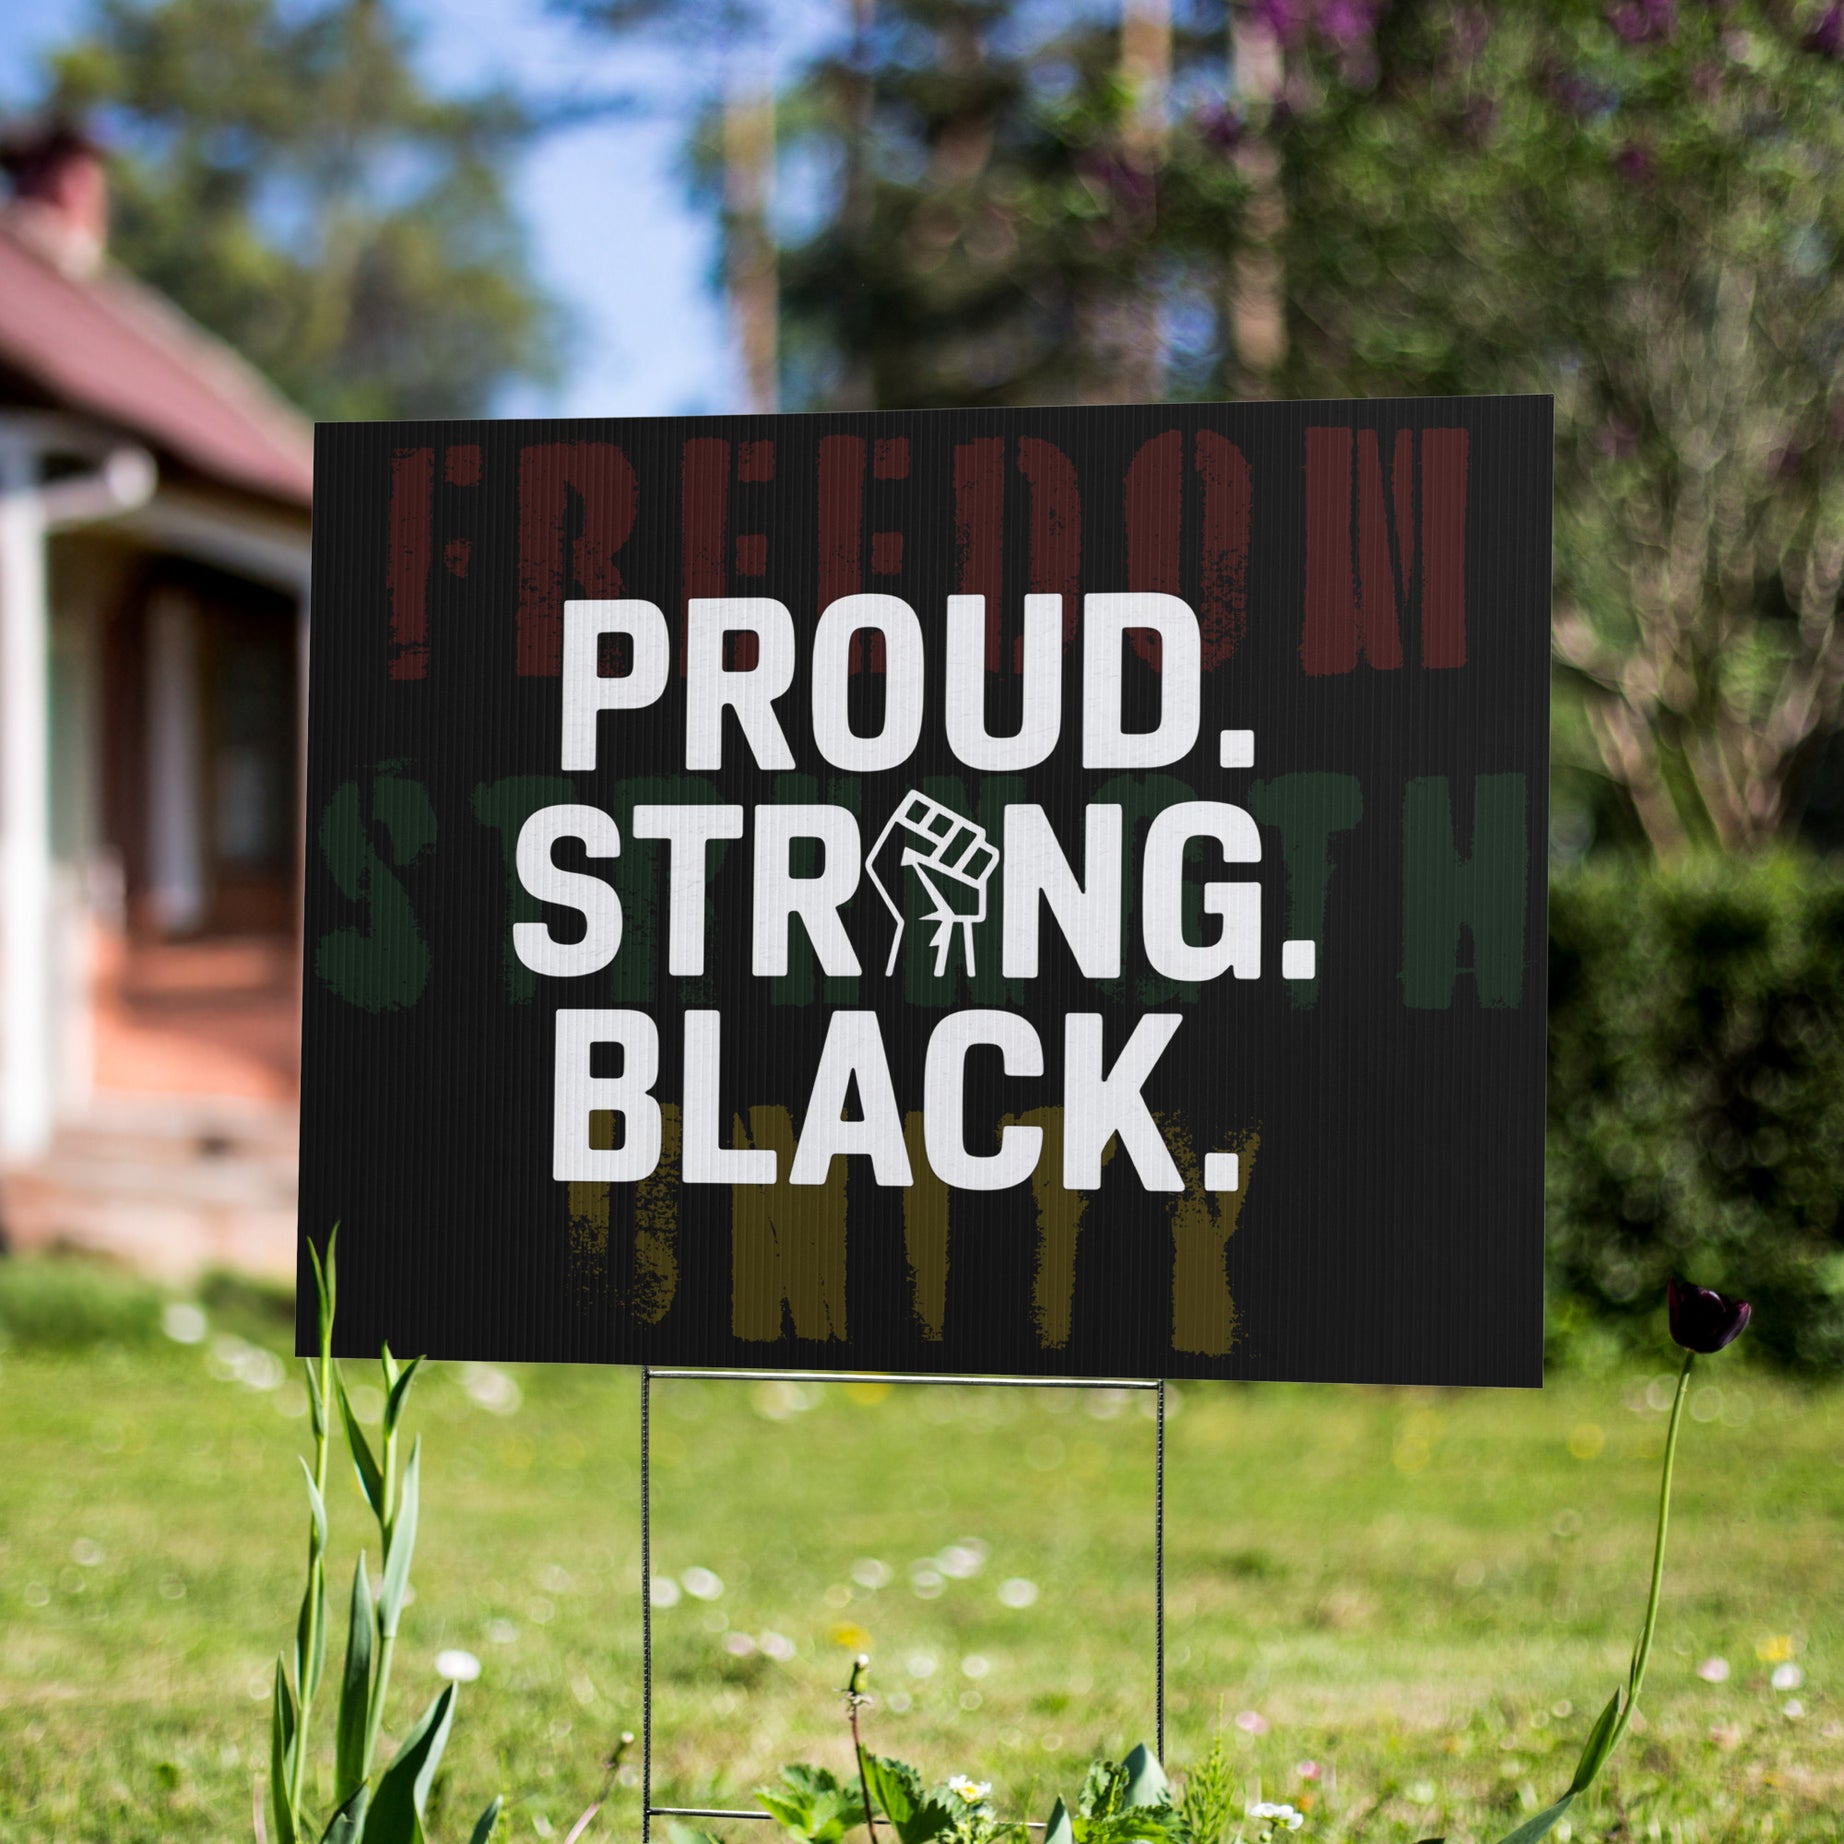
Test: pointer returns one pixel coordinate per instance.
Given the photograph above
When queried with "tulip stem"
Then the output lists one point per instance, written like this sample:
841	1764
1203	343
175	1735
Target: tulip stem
1643	1652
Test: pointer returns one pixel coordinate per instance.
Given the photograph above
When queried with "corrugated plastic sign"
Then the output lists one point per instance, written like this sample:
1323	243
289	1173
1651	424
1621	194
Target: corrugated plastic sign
1047	892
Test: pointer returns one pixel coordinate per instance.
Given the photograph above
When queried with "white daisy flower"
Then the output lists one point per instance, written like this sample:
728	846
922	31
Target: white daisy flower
1277	1812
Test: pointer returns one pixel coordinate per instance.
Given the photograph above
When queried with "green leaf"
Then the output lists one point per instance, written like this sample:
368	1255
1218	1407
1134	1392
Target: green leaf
388	1365
396	1815
1059	1830
400	1394
1146	1781
1102	1789
281	1752
1599	1746
483	1828
403	1544
320	1631
347	1825
895	1787
371	1480
896	1790
323	1286
354	1690
313	1396
690	1834
308	1670
316	1506
1541	1825
812	1803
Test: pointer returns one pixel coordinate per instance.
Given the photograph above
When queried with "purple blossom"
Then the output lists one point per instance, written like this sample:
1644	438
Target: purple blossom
1478	119
1827	37
1472	32
1583	98
1634	163
1347	23
1286	19
1344	23
1640	22
1131	187
1221	127
1618	440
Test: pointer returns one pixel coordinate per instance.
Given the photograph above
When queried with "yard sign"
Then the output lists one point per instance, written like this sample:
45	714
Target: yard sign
1049	891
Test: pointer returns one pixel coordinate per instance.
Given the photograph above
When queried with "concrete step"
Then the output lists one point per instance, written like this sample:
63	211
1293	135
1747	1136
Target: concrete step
171	1188
179	1130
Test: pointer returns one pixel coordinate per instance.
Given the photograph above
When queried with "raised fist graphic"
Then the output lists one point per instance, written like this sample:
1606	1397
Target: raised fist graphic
951	856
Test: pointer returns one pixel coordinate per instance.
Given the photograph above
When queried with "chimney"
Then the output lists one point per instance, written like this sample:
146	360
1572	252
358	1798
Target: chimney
60	192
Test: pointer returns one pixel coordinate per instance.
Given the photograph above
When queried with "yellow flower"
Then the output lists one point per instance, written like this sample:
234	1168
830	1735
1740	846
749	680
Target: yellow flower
971	1790
852	1638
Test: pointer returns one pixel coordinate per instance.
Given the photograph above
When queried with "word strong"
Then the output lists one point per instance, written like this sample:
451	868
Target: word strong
1042	892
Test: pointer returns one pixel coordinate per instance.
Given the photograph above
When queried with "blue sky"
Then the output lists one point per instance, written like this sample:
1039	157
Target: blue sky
611	235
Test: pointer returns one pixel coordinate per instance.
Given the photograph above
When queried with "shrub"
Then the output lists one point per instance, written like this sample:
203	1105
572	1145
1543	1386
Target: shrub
1696	1094
67	1304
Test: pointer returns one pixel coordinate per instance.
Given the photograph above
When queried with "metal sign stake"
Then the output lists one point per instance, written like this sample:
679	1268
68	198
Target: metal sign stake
648	1810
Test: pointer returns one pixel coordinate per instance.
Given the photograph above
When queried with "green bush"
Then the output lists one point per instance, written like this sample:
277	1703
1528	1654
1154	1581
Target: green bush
71	1304
1696	1094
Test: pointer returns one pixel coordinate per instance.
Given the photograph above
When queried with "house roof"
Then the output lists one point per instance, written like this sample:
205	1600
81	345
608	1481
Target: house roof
96	341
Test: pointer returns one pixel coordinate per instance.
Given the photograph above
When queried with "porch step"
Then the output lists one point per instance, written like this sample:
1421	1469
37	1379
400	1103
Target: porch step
171	1187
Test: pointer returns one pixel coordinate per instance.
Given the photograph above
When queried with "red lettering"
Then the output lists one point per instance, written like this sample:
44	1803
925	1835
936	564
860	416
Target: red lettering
599	478
979	531
1353	597
1223	586
704	521
412	538
1056	535
1155	512
1443	547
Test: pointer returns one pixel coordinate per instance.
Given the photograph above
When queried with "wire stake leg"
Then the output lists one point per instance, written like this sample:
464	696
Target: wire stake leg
1159	1571
648	1811
646	1607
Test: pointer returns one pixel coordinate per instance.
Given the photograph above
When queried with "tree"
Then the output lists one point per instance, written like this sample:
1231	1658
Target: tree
984	202
284	175
1640	208
1033	226
1634	205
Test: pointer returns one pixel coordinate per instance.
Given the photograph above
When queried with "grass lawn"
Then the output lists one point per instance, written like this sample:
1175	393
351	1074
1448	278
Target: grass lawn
1427	1595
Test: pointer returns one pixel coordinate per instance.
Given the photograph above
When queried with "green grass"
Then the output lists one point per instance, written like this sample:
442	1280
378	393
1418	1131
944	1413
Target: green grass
1427	1594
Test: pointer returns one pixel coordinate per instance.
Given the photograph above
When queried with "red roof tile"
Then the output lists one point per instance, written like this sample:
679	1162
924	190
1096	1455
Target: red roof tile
104	344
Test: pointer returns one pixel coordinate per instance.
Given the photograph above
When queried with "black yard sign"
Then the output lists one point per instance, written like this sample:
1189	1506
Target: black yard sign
1040	892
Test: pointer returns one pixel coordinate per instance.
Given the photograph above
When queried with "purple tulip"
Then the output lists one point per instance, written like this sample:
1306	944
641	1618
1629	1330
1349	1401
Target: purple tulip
1703	1319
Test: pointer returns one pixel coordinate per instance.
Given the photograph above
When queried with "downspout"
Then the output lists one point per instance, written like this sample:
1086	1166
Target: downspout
121	478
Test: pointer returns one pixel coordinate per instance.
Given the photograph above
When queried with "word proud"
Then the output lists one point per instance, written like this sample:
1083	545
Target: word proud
763	629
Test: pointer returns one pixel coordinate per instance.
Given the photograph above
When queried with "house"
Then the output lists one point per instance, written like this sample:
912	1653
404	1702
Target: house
154	516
